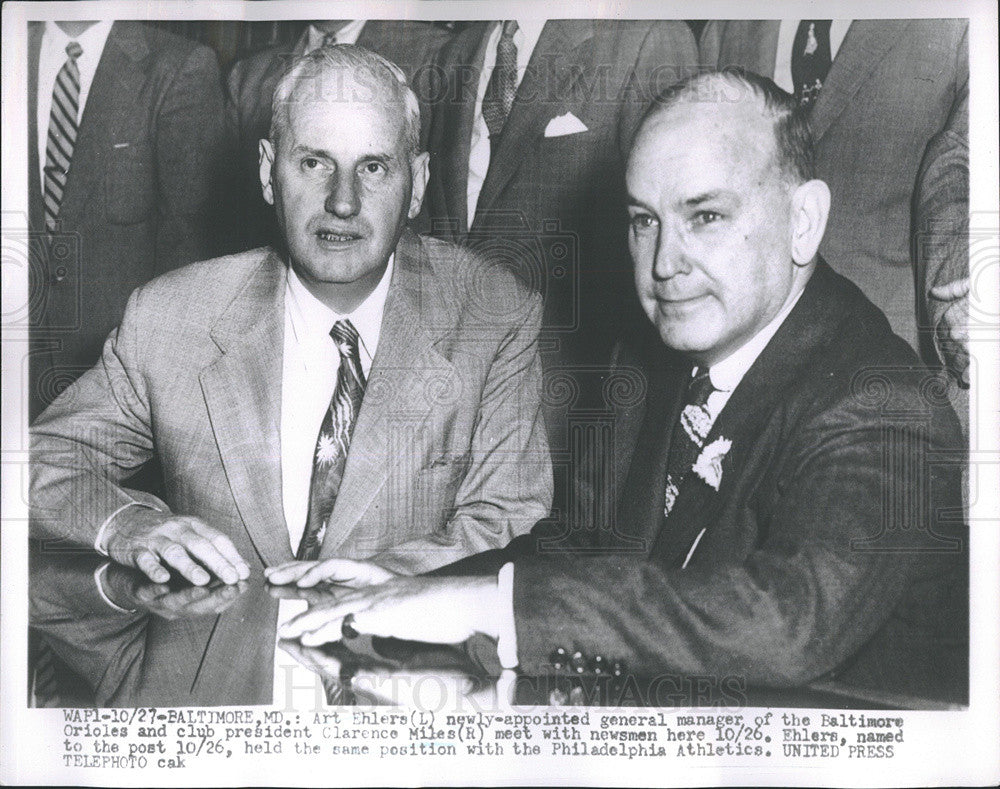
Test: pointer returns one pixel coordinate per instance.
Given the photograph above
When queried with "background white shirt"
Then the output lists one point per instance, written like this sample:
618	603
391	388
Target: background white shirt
51	58
786	37
310	362
525	40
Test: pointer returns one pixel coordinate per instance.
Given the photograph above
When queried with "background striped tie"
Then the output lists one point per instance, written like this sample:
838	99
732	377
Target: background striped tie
62	132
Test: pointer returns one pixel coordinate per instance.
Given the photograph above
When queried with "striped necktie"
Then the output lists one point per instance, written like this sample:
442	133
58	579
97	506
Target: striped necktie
330	457
688	436
62	132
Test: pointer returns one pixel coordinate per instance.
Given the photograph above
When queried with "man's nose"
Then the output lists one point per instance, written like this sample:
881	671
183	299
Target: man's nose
671	255
343	199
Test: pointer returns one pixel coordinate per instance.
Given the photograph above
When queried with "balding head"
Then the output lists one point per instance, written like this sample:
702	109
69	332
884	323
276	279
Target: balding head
725	215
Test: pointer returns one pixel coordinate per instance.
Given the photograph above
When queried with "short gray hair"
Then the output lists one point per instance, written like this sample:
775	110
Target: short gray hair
385	80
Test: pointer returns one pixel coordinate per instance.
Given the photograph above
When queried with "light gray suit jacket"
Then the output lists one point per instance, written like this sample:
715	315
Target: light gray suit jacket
448	455
892	115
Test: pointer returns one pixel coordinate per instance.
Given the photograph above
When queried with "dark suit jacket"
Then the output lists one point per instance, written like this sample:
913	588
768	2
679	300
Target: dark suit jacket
835	542
252	80
892	113
560	199
448	455
137	199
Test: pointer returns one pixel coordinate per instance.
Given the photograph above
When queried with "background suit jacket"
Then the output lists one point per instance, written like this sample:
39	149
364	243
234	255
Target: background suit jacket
138	198
448	455
411	45
835	542
895	102
554	206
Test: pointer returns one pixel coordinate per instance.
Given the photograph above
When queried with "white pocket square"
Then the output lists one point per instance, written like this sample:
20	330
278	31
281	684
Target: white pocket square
564	124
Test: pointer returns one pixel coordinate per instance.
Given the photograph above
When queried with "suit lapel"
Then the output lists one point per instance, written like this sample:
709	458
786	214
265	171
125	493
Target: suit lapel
761	392
866	44
242	389
457	118
119	78
640	511
560	45
404	364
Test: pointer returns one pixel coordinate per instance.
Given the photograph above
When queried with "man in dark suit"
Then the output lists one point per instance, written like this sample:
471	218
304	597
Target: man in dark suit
788	506
411	45
531	124
889	110
121	170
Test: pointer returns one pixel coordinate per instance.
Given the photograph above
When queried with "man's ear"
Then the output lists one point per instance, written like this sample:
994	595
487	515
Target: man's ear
266	150
810	209
418	172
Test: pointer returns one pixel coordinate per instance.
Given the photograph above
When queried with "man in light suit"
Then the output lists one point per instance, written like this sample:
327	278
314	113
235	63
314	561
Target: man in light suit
409	432
127	193
890	119
531	173
783	505
411	45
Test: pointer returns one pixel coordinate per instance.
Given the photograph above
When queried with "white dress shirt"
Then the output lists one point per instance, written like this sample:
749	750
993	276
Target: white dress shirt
310	362
786	37
348	34
725	376
525	39
51	58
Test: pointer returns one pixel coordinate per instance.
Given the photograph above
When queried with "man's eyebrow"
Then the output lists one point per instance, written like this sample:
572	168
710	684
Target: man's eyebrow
707	197
633	200
320	153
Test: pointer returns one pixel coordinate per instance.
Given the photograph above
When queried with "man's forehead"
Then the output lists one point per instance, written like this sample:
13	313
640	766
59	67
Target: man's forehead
706	135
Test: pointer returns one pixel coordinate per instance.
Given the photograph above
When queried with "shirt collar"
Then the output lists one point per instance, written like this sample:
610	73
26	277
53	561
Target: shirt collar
318	319
348	34
91	40
727	374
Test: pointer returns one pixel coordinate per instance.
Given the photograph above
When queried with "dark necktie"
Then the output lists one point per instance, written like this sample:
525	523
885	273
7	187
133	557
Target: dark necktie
502	87
334	439
62	132
688	436
811	59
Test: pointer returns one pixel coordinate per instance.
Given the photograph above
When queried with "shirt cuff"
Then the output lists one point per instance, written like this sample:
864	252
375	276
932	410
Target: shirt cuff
99	545
506	626
99	582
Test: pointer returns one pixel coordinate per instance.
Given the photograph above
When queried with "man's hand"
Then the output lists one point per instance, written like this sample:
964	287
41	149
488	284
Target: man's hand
343	572
148	540
438	610
952	330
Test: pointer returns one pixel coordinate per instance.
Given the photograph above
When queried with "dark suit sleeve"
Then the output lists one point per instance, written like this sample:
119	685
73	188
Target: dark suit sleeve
92	438
941	205
191	143
812	590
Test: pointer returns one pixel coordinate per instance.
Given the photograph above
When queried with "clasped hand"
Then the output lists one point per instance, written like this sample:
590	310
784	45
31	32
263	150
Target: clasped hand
381	603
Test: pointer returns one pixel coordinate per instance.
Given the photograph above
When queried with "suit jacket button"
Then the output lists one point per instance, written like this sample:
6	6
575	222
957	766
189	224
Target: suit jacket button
617	668
578	663
598	665
558	658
